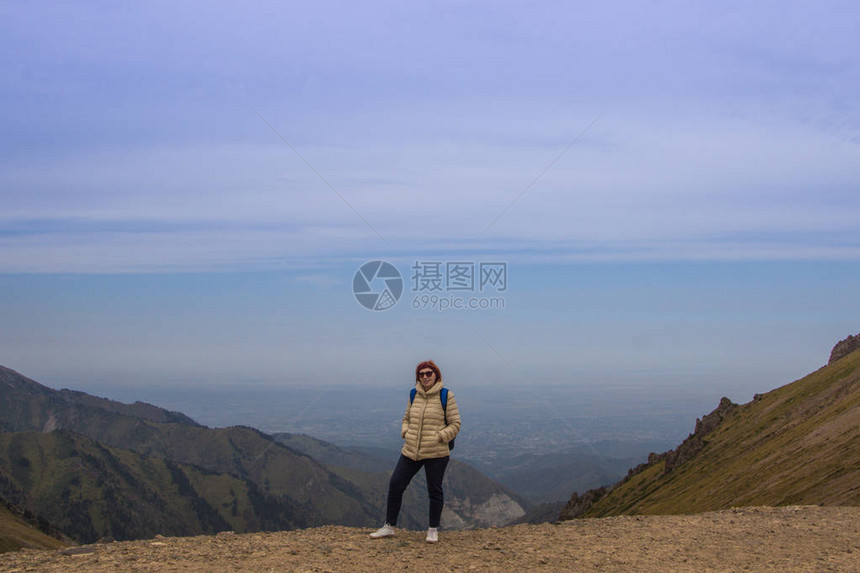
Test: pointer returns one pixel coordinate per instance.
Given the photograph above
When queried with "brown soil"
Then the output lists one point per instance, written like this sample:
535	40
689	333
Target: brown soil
798	538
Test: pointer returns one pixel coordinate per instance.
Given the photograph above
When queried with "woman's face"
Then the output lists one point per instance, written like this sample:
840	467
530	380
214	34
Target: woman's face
427	378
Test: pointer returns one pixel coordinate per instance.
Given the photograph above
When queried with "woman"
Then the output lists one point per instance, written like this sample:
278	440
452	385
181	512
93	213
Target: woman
426	436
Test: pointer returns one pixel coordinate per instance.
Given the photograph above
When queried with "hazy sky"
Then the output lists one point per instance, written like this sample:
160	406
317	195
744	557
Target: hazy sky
188	189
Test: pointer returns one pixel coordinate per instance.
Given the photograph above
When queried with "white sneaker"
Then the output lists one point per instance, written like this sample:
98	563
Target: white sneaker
432	535
385	531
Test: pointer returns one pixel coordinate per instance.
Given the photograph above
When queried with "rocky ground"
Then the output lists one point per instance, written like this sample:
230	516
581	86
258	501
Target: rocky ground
799	538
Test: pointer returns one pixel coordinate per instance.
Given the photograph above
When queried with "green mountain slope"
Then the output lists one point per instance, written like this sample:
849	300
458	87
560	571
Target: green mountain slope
92	491
217	462
798	444
138	409
20	528
251	455
274	469
331	454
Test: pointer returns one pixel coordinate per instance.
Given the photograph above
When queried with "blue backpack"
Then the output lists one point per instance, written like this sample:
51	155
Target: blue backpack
443	397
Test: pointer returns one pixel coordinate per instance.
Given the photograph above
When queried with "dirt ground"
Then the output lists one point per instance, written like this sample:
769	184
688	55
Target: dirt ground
799	538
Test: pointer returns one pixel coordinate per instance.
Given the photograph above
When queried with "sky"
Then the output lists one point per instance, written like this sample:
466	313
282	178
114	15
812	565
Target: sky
187	191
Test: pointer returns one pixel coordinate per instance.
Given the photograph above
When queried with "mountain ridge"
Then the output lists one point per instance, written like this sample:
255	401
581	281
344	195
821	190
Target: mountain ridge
196	459
797	444
27	404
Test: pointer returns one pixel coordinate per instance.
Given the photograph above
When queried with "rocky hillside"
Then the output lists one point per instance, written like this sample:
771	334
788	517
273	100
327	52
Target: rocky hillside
844	348
798	444
796	539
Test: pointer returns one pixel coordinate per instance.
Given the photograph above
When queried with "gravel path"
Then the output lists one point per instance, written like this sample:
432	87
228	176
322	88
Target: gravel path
800	538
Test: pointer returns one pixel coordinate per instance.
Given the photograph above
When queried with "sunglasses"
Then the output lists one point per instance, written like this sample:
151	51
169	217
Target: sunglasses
426	373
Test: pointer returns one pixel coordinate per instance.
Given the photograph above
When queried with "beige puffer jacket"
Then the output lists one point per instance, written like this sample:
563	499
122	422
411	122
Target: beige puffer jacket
424	423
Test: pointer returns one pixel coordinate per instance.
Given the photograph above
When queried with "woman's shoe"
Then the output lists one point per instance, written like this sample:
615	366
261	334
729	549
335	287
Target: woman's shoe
385	531
432	535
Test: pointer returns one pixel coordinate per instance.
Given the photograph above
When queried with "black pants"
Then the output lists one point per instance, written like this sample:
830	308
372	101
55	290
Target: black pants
434	470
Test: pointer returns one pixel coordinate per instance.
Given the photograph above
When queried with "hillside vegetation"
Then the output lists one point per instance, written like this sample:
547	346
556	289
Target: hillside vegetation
92	491
20	528
798	444
98	468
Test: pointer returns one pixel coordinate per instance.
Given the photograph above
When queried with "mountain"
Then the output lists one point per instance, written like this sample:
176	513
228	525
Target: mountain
547	478
798	444
332	455
154	448
27	405
471	498
92	491
276	470
20	528
844	348
508	497
137	410
541	513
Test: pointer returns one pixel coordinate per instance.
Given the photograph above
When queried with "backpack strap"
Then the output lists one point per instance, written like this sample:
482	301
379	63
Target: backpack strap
443	397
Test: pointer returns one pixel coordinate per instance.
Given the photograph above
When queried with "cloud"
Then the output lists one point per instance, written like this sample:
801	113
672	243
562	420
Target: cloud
133	140
660	185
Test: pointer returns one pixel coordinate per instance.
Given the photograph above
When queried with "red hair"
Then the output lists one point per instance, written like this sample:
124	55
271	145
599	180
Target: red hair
432	366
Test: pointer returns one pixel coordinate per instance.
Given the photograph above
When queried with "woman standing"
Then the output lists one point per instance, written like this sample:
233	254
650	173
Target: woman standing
426	436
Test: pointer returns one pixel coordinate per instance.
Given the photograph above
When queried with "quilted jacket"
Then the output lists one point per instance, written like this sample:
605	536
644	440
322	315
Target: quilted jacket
424	424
